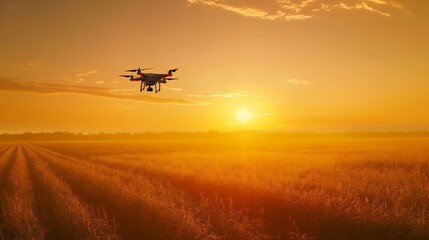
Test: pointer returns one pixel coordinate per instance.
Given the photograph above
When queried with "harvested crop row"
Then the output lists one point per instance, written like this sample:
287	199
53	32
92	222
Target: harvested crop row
144	209
64	216
17	201
218	213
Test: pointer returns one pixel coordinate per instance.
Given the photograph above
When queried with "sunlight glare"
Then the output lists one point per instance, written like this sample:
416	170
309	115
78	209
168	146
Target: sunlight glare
243	115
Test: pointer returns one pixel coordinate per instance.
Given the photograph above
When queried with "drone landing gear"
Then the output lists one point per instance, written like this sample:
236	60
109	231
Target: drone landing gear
142	86
159	88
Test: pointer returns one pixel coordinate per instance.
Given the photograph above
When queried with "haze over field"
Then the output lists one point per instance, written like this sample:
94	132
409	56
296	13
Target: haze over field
244	65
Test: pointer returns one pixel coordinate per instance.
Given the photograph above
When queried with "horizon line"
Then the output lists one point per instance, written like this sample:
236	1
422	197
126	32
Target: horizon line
219	131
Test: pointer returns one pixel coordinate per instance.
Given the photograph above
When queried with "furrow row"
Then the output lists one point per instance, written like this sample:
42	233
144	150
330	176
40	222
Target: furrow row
308	205
20	219
5	164
4	150
5	161
144	209
217	212
61	212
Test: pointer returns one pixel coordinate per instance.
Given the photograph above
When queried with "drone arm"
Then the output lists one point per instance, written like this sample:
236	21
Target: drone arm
171	71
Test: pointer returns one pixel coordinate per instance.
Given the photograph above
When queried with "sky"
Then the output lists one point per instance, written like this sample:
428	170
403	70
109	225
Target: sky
272	65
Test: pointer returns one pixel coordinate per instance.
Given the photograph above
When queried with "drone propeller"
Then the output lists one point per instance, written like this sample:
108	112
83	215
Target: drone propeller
171	71
136	70
171	78
126	76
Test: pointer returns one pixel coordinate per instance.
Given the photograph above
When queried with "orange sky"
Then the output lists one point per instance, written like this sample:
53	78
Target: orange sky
288	65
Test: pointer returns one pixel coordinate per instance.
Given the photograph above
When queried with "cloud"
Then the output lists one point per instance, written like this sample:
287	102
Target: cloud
295	6
297	17
10	84
87	73
172	89
250	11
378	2
299	9
357	6
298	82
221	94
386	3
79	77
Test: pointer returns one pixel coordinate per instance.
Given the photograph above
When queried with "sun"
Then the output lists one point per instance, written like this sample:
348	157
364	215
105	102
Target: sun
243	115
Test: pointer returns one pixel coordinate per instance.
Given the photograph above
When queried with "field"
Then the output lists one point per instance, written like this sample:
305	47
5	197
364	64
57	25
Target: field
213	188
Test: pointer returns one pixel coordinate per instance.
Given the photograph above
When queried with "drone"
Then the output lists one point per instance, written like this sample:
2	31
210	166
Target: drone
150	79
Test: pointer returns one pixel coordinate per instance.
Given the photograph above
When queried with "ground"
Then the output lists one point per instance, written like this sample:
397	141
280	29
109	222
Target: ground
216	188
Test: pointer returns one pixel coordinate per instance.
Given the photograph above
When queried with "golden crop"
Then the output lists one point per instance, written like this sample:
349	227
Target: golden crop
324	188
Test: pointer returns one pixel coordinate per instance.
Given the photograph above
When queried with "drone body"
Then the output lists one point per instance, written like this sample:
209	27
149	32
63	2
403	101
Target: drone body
150	79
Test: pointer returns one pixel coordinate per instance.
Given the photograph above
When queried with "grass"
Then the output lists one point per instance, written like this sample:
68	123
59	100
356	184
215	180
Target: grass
241	188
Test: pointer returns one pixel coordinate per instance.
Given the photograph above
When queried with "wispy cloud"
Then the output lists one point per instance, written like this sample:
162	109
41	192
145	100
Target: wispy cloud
298	82
386	3
221	94
356	6
299	9
250	11
10	84
85	74
172	89
79	77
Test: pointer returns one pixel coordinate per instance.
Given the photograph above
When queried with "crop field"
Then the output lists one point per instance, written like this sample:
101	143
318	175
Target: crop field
238	188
